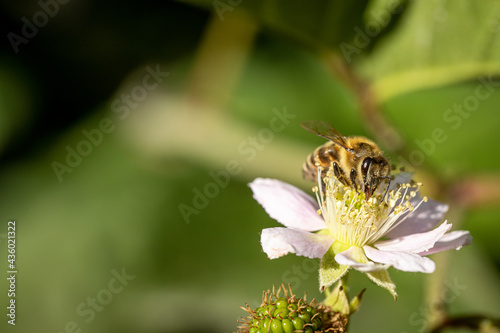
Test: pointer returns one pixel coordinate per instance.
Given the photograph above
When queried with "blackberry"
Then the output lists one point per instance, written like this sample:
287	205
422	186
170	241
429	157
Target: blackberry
289	314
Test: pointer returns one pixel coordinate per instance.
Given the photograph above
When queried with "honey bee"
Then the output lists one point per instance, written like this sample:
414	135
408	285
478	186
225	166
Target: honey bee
357	161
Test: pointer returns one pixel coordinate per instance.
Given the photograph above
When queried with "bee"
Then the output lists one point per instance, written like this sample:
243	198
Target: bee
357	161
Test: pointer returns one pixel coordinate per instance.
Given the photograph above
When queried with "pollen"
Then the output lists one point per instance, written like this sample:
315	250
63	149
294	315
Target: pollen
353	220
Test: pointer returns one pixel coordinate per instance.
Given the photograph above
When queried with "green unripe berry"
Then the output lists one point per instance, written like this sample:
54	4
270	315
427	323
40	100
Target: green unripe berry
290	314
287	326
298	323
270	310
305	317
281	302
276	326
293	310
281	313
316	321
260	310
264	324
311	310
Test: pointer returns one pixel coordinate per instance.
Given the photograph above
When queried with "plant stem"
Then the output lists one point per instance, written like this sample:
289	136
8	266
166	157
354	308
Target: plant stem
220	59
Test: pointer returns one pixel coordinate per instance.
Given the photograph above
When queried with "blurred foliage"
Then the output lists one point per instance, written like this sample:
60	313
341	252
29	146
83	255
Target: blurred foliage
428	48
317	24
119	207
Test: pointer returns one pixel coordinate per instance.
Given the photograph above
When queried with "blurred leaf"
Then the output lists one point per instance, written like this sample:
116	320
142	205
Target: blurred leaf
484	227
377	6
472	280
318	23
297	80
439	42
449	128
16	100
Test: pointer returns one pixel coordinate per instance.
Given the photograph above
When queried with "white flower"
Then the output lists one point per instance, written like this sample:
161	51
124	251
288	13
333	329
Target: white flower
345	230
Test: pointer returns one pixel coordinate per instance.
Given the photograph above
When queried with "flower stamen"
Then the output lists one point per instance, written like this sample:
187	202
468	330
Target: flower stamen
353	220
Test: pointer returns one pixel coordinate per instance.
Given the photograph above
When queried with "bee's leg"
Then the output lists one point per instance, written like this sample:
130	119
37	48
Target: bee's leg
339	174
353	180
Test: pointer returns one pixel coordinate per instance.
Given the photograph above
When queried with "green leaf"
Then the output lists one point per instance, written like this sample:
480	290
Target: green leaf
16	101
318	23
440	124
438	42
382	279
330	271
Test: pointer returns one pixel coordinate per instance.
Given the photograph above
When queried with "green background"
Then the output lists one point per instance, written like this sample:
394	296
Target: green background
231	66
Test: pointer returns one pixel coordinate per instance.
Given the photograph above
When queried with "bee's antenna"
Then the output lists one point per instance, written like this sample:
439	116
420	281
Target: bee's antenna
387	188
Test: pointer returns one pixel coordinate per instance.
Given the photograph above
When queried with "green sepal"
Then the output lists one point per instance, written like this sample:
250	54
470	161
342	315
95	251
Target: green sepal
356	301
337	298
330	271
382	279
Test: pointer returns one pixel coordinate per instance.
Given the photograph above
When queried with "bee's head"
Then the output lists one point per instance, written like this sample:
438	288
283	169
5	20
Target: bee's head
374	169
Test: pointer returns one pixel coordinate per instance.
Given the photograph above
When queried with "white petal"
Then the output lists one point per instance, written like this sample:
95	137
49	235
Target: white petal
414	243
404	261
452	240
277	242
351	257
424	218
287	204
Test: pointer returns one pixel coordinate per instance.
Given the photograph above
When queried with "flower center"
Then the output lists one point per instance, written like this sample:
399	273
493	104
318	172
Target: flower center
353	220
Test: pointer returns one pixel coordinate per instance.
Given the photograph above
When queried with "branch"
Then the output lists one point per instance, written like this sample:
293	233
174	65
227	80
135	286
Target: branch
373	119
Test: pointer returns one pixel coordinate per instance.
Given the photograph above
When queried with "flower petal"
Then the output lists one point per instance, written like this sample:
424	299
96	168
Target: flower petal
287	204
355	258
277	242
414	243
424	218
404	261
400	178
452	240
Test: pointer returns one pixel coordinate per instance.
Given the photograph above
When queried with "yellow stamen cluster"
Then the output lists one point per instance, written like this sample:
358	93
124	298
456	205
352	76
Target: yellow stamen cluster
353	220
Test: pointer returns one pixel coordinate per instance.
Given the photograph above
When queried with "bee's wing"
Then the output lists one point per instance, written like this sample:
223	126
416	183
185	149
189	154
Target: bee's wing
325	130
